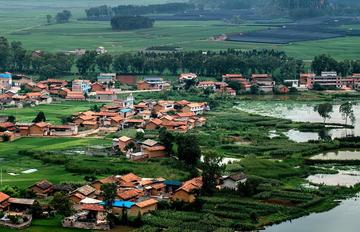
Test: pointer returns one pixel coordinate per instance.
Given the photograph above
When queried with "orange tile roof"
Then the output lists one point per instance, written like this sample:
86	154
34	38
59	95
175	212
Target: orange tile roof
130	177
156	121
158	186
93	207
42	124
183	102
146	203
192	185
155	148
129	194
188	114
3	197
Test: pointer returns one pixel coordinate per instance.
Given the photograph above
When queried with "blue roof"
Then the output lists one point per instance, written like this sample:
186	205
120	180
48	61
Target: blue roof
172	182
5	75
121	204
126	110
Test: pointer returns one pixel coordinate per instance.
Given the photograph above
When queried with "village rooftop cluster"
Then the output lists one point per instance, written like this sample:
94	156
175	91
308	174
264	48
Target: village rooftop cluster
134	196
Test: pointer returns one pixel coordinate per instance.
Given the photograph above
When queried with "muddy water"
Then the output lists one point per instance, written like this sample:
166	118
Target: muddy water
348	154
301	112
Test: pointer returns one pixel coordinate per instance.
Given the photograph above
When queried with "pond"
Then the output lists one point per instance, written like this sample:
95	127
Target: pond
344	217
302	112
349	154
345	178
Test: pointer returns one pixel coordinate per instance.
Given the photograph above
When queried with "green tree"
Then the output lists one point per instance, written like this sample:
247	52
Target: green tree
254	89
5	53
323	63
86	63
324	110
104	62
188	149
62	204
347	111
167	139
108	192
40	117
48	19
211	170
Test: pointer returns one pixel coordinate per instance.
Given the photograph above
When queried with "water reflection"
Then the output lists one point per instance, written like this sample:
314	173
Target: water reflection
345	218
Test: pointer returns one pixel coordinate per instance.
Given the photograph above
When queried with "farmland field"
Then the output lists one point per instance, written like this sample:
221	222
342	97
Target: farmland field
53	112
30	28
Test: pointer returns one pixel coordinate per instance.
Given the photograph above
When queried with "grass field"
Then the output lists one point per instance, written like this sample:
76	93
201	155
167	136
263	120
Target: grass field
13	163
53	112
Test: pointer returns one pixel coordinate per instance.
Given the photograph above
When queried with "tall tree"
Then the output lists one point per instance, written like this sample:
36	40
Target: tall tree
108	192
211	170
40	117
188	149
61	203
4	53
86	63
324	110
104	62
347	111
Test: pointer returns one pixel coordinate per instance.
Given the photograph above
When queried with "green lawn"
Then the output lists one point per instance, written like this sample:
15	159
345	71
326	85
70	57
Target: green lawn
53	112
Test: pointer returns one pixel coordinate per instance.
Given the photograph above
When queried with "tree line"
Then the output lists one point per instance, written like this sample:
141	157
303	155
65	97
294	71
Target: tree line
14	58
106	12
131	22
327	63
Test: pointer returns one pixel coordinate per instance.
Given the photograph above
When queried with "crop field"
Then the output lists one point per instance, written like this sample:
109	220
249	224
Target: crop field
15	164
30	28
53	112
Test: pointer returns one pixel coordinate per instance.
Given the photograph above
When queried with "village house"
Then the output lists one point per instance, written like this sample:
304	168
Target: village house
143	207
6	80
42	189
106	78
7	126
129	194
81	193
188	191
39	129
63	130
124	141
187	76
100	50
195	108
152	149
89	216
4	204
164	106
153	83
19	80
75	96
153	124
281	89
237	78
264	81
232	181
107	95
83	86
107	180
20	204
97	87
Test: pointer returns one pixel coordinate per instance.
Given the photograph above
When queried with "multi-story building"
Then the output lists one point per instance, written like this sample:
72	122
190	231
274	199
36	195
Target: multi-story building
5	80
106	78
81	86
264	81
